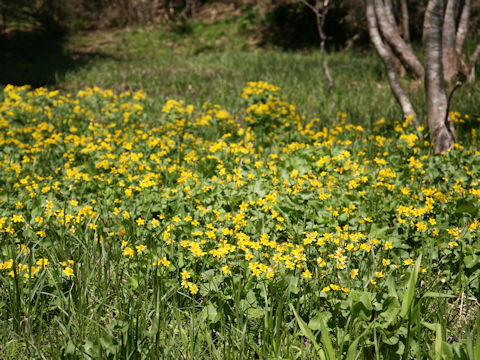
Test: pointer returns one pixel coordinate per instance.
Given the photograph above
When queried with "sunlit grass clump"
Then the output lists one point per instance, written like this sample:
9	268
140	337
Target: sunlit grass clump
197	234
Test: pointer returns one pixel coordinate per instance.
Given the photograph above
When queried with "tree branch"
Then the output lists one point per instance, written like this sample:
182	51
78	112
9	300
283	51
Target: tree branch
387	57
403	50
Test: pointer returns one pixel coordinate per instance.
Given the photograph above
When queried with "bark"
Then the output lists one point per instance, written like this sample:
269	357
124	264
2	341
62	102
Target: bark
471	64
439	122
449	53
387	57
462	28
405	21
390	13
401	48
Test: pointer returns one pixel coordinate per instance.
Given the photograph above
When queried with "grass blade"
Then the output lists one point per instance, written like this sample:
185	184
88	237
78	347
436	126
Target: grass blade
410	292
307	332
438	343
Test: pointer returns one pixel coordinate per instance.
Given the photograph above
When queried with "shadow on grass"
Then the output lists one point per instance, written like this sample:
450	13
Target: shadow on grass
36	58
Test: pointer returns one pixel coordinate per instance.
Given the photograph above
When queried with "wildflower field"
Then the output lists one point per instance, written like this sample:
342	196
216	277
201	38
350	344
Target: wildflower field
197	235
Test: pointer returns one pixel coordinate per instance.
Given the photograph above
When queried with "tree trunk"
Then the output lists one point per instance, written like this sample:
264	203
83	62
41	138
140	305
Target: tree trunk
449	54
439	122
471	63
462	28
405	21
390	13
388	59
403	50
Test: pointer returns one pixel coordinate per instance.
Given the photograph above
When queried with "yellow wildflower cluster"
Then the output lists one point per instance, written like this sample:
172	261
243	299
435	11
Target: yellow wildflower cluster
195	192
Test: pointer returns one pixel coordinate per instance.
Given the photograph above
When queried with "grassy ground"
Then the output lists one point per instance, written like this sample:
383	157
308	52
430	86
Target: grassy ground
135	229
212	62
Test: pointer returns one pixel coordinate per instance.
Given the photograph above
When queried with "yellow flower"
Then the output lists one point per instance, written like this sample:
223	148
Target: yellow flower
185	274
226	269
128	251
140	248
193	288
408	262
126	215
165	262
307	274
353	273
155	223
378	274
388	245
385	262
326	288
68	271
17	219
42	262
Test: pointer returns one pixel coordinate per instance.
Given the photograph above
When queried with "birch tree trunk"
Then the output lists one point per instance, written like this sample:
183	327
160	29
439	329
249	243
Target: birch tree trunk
405	21
388	59
439	122
462	28
402	49
449	53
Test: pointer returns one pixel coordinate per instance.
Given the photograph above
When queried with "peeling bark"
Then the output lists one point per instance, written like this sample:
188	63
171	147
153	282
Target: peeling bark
439	122
401	48
388	59
449	53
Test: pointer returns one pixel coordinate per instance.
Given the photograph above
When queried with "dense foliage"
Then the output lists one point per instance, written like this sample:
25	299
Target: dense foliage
201	235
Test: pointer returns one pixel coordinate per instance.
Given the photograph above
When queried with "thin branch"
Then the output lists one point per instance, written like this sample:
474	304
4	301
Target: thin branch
320	10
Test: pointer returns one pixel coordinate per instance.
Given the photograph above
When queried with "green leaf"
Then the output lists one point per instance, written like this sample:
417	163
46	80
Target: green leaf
466	207
471	260
255	313
352	352
438	342
132	282
391	308
410	292
361	305
431	294
107	343
429	326
212	312
327	343
307	332
320	318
